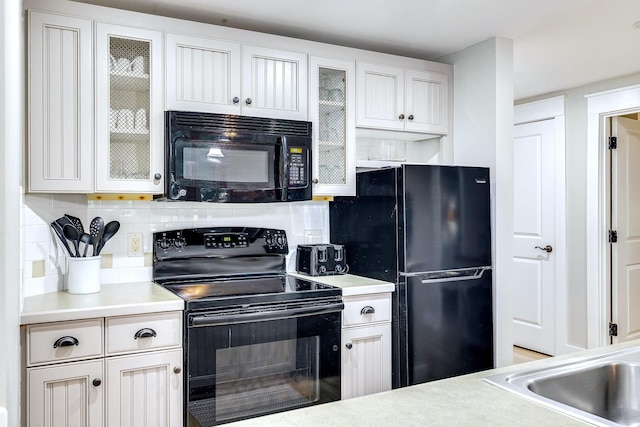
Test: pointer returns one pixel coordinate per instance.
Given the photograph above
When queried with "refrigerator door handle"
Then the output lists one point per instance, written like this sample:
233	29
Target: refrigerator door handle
450	275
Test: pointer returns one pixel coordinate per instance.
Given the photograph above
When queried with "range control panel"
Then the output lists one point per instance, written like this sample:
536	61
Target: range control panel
219	242
226	240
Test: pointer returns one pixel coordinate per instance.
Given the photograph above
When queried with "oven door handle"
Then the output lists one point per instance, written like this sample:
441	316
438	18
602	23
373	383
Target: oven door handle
226	319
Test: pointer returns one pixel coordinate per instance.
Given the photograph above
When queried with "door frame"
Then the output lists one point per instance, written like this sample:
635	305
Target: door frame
553	109
600	107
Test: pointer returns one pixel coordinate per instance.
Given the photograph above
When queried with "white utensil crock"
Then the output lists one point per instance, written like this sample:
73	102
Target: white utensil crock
83	275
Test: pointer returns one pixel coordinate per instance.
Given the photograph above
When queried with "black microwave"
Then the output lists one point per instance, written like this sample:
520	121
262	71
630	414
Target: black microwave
228	158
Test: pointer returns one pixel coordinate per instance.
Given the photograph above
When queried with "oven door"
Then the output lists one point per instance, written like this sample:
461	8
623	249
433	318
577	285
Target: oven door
243	365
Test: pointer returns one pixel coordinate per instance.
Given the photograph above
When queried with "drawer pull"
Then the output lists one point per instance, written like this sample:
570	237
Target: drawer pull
349	346
145	333
177	370
97	382
65	342
367	309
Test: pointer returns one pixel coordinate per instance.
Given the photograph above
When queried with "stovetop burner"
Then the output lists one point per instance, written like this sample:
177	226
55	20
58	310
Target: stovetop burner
230	266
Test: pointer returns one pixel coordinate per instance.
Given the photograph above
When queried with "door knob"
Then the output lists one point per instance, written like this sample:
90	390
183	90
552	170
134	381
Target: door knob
547	248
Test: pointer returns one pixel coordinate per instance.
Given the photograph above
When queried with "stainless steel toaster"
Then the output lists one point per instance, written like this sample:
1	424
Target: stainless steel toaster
321	259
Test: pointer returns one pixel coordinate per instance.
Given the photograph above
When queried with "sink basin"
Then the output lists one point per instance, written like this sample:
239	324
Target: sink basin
602	390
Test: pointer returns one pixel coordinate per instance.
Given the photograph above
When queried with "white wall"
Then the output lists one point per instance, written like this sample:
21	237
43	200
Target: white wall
11	143
483	135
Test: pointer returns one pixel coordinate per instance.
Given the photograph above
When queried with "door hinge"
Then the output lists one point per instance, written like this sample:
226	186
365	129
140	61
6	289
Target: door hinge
613	143
613	236
613	329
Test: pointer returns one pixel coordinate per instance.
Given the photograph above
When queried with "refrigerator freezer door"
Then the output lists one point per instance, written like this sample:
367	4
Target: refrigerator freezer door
449	326
446	217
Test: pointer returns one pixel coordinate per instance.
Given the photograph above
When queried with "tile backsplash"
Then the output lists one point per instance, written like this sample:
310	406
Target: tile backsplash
45	258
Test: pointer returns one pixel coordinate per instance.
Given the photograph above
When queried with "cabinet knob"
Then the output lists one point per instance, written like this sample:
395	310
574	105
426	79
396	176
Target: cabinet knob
410	117
349	346
97	382
315	180
248	101
177	370
367	309
157	176
401	116
236	99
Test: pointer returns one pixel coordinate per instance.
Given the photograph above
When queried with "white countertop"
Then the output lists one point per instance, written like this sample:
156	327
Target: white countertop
351	284
114	299
460	401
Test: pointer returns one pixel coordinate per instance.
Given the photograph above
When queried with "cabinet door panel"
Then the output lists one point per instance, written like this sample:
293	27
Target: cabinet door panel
426	101
60	103
274	83
332	111
129	113
366	366
144	390
64	395
380	96
202	74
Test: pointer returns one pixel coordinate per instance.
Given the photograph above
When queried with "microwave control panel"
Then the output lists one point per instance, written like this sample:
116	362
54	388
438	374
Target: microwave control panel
298	165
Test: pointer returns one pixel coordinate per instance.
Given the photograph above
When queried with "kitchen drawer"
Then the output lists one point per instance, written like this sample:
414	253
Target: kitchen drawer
64	341
143	332
359	310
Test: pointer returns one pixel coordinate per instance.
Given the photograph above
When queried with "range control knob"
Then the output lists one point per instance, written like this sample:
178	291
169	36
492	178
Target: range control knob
268	239
280	240
164	243
180	242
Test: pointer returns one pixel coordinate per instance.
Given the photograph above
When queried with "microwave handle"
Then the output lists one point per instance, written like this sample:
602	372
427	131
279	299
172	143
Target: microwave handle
284	171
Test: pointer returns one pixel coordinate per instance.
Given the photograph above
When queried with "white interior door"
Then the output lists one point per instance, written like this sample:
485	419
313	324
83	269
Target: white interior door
625	219
534	262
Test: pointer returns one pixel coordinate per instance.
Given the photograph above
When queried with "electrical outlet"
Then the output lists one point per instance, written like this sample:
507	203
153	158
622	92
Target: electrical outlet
134	244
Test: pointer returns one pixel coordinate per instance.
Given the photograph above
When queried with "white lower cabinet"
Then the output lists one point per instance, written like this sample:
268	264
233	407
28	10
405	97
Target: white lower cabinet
366	345
84	374
144	390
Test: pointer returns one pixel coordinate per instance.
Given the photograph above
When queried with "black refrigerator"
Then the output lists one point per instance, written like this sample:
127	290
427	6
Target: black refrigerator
427	229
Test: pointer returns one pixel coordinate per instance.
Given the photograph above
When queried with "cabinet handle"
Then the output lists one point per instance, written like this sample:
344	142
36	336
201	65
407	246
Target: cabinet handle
65	342
177	370
401	116
97	382
157	176
410	117
349	346
236	99
367	309
248	101
145	333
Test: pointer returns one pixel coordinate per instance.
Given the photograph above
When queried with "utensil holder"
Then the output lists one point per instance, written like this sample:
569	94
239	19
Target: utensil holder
83	275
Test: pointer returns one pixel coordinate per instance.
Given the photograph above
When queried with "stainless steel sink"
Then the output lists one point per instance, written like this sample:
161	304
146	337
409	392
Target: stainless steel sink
603	390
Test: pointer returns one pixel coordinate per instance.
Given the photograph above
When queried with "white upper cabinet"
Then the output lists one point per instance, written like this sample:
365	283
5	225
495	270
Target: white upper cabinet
129	110
202	74
274	83
332	111
401	99
60	104
217	76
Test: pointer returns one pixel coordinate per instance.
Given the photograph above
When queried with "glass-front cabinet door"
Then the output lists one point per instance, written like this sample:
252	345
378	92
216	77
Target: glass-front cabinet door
332	111
129	118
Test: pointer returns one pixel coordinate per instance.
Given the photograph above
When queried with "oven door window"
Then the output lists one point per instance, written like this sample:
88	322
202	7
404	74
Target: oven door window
219	165
246	370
